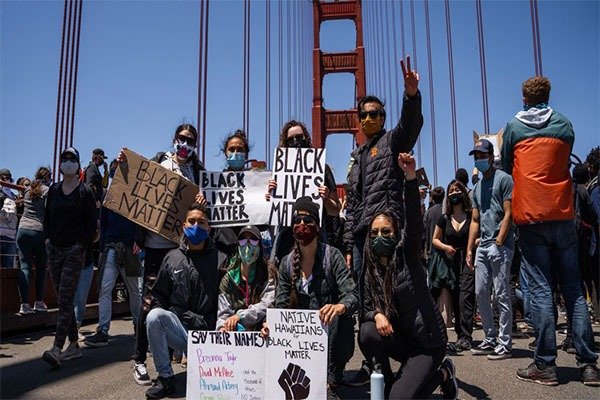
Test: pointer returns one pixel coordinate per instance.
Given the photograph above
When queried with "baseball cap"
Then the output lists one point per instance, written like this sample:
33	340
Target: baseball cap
99	152
252	229
484	146
70	150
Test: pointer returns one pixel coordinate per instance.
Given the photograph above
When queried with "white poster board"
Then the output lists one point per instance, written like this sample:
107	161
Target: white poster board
225	365
236	198
299	172
297	355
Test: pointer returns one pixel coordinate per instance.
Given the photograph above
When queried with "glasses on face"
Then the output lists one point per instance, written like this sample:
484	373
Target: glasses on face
7	178
307	219
187	140
67	158
296	141
384	232
372	114
243	242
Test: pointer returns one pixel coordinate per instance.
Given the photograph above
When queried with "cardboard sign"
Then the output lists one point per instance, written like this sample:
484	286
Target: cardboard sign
299	172
236	198
297	354
225	365
150	195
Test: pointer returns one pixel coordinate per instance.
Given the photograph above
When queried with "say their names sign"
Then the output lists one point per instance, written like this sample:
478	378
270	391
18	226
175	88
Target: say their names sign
297	354
298	172
225	365
150	195
236	198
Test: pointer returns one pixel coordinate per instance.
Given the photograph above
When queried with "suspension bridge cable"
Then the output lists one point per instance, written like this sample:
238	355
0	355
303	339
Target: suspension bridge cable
431	93
451	76
200	51
58	100
414	60
486	120
268	82
205	77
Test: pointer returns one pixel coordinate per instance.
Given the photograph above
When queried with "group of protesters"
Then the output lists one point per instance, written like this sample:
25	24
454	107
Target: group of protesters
524	239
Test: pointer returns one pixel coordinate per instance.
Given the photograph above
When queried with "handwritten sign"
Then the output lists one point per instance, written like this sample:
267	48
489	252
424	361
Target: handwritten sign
236	198
297	355
299	172
151	196
225	365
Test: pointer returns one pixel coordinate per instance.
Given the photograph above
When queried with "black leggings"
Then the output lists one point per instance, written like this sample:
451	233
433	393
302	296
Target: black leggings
419	374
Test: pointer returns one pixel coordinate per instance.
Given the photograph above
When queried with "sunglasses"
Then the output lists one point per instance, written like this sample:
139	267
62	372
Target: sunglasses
187	140
243	242
384	232
372	114
307	219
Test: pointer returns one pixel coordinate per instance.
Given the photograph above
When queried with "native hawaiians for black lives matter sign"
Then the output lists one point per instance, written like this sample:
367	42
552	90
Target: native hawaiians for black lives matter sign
236	198
226	365
299	172
297	354
150	195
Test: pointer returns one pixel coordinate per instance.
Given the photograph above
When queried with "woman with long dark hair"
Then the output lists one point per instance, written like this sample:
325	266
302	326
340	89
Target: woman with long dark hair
398	316
248	287
30	242
452	281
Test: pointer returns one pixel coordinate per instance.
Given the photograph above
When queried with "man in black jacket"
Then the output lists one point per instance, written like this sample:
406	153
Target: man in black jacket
185	297
375	181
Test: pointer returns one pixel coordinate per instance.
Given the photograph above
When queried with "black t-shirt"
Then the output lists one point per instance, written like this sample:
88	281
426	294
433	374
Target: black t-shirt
457	239
93	178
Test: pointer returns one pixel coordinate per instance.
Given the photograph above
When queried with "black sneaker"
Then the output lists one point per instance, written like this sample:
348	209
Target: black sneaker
360	378
532	373
590	375
500	353
99	339
161	387
532	345
140	374
567	345
463	344
483	348
449	386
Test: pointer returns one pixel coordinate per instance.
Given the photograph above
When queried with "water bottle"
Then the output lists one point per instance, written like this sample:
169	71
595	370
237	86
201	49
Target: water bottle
377	383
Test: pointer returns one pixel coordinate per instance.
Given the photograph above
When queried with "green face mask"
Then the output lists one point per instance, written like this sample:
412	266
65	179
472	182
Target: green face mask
383	246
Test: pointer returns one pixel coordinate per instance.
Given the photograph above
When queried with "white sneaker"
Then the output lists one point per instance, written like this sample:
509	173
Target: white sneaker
52	356
40	306
72	352
140	374
25	309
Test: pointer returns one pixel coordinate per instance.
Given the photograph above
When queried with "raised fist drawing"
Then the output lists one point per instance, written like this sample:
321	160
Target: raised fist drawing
294	382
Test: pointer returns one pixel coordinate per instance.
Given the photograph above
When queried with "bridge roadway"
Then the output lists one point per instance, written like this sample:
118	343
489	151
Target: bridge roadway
106	372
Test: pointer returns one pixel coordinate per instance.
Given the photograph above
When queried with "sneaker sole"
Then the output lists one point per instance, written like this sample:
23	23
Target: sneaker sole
481	352
498	357
73	357
142	382
97	344
50	360
592	384
539	382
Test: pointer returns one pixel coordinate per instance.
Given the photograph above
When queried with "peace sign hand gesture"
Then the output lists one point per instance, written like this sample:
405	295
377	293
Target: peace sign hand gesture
411	78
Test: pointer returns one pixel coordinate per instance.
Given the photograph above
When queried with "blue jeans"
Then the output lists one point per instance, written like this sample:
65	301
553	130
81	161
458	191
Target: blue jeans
32	251
110	271
550	250
8	251
526	296
492	267
165	330
82	291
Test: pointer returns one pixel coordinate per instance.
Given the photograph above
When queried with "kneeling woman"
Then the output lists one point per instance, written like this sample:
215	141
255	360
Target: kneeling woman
248	287
314	277
399	318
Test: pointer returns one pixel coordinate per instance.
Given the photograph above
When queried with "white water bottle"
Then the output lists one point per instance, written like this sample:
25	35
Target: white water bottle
377	383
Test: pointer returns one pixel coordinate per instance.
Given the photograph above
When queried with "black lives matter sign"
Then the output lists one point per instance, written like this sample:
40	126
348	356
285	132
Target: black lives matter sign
299	172
150	195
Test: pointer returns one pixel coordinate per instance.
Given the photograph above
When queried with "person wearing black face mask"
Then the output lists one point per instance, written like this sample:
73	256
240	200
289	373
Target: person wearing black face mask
314	277
185	297
294	134
399	319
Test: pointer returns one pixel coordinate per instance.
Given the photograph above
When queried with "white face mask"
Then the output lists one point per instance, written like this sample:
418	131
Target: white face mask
69	167
183	150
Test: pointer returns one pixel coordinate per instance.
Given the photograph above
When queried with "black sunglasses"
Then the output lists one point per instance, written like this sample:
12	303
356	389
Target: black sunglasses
372	114
307	219
186	140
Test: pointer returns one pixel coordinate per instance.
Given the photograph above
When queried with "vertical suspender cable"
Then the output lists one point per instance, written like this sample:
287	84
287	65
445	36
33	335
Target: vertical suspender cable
431	95
65	88
451	76
538	39
396	60
535	29
380	25
391	70
279	63
57	149
414	60
75	73
199	103
244	110
268	82
289	61
67	132
205	78
402	28
486	120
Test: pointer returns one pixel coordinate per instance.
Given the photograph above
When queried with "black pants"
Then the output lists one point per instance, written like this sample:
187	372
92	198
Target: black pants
466	302
419	374
341	348
152	263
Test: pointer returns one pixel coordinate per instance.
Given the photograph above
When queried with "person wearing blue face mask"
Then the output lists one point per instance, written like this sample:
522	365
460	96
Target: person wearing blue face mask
185	297
248	287
236	150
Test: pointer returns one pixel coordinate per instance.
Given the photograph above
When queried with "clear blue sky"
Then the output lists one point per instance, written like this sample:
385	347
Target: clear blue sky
139	60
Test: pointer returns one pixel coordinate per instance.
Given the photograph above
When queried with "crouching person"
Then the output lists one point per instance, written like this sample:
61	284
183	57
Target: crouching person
185	297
